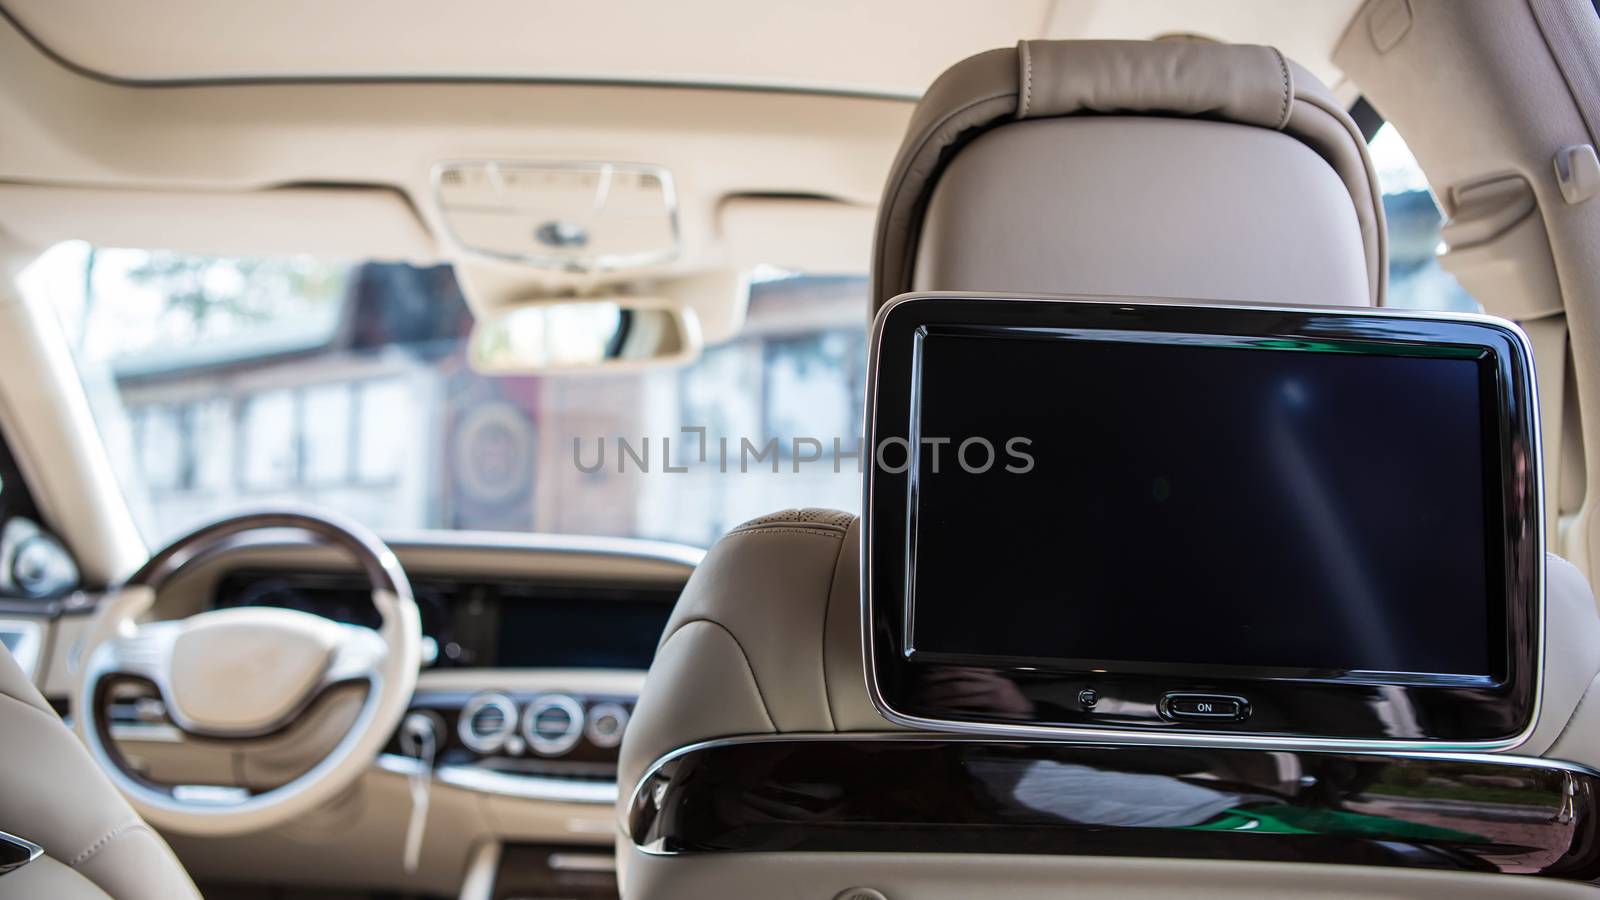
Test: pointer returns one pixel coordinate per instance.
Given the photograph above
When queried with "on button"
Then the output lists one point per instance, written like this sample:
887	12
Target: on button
1204	707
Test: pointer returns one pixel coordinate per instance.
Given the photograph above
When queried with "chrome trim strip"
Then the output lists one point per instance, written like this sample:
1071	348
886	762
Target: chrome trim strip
481	871
151	733
213	795
1503	759
582	862
26	849
528	787
30	640
1198	737
505	784
396	764
590	545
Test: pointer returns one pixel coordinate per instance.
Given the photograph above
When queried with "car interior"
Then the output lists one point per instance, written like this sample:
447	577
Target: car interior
1045	448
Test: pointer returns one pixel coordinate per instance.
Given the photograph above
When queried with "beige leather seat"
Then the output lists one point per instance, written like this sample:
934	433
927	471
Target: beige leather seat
52	794
1168	169
1175	169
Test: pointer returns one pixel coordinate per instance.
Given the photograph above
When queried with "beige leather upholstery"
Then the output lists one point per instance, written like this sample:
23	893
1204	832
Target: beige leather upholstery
1177	169
1569	714
52	793
942	876
765	639
45	877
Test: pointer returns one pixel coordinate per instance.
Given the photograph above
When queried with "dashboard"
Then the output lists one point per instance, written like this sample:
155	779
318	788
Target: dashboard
475	623
541	645
499	736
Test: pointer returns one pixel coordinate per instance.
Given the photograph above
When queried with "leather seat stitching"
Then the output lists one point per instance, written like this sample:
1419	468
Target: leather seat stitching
945	120
1288	89
893	195
1027	80
827	610
1588	691
104	840
99	844
743	655
1374	195
1576	709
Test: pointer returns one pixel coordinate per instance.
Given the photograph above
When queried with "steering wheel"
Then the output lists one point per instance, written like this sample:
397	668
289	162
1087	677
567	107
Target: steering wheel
247	673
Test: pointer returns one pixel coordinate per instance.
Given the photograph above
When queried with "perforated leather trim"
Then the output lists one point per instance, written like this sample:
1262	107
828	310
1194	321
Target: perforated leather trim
1027	79
808	517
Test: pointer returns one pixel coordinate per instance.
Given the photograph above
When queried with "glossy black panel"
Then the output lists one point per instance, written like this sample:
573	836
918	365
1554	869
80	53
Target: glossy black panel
578	872
970	796
1415	707
16	852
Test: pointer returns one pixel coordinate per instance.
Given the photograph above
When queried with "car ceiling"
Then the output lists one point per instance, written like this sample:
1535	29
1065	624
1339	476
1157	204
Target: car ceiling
893	47
122	126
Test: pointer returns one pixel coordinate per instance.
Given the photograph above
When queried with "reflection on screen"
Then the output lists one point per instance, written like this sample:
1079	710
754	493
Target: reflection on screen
1202	505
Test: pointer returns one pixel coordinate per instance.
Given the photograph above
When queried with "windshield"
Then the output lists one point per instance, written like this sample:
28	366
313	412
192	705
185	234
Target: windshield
221	383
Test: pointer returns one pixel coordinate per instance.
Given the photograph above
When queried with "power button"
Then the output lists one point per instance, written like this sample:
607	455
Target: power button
1204	707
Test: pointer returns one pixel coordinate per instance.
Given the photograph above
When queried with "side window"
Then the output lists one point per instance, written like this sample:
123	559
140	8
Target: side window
1416	280
33	564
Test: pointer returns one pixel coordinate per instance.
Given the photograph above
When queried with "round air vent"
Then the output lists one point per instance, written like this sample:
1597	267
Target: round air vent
486	721
552	724
606	721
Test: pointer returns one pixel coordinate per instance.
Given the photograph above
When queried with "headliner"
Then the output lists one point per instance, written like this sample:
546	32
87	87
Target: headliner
886	47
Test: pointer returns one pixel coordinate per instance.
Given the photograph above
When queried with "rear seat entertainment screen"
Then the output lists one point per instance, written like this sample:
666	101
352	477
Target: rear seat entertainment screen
1095	517
1279	509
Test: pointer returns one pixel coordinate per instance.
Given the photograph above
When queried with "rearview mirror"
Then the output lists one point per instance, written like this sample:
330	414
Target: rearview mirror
616	334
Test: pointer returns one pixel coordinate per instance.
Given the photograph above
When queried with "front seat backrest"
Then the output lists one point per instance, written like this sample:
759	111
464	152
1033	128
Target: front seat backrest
1177	169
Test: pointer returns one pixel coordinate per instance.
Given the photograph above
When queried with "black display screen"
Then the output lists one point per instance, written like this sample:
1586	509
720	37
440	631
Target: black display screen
1189	504
579	633
486	623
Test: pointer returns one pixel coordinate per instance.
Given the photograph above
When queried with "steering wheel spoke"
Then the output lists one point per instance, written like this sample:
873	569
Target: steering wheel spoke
358	656
145	652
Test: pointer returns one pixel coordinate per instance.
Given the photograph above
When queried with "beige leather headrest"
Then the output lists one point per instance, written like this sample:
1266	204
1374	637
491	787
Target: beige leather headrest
1215	115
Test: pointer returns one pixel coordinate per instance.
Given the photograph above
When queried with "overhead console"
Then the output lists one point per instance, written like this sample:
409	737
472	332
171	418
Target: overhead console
566	216
1273	526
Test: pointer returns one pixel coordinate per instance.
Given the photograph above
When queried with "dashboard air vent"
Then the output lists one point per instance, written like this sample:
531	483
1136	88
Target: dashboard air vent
552	724
487	721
